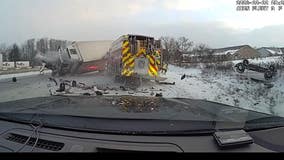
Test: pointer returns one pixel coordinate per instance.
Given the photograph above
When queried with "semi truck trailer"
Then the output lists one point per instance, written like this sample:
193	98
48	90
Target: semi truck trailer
79	57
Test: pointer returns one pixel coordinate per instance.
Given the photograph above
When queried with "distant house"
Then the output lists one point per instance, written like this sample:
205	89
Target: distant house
236	52
270	51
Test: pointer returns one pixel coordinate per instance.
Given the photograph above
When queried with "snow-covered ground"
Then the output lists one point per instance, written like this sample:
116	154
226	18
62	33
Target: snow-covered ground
228	88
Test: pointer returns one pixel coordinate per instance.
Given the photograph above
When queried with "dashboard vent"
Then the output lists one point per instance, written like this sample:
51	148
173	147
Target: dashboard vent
41	143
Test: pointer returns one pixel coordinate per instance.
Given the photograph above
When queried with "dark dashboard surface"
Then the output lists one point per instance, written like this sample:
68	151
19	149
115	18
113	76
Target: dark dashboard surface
13	136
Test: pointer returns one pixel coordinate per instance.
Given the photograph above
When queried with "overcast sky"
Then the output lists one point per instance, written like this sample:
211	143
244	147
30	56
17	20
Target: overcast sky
216	23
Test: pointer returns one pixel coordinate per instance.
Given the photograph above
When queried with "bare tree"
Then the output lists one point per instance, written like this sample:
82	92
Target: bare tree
201	49
184	45
203	52
169	48
165	46
14	54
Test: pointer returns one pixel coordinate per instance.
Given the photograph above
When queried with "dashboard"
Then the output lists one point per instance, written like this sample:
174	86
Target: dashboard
14	136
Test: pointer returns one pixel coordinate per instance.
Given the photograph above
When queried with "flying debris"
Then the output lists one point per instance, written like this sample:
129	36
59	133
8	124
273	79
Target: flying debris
61	87
183	77
14	79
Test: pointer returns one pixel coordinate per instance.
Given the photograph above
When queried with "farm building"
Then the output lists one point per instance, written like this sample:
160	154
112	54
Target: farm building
237	52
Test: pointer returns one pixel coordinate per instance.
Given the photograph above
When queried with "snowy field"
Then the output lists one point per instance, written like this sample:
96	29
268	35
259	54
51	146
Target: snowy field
228	88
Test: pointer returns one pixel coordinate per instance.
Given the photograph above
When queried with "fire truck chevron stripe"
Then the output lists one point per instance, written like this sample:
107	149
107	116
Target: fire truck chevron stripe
152	60
158	62
142	51
153	67
129	73
125	58
129	62
150	73
125	44
124	72
125	50
153	70
139	54
132	64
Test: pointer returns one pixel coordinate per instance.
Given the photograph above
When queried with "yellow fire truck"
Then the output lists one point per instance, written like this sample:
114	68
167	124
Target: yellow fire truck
135	56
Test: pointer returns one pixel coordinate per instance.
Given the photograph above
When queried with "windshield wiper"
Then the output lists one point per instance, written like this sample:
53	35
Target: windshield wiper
116	125
23	118
264	123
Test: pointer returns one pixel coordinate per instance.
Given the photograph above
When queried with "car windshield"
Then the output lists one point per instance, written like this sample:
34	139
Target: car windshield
155	60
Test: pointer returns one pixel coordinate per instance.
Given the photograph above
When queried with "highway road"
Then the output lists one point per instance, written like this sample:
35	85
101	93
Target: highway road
25	87
37	85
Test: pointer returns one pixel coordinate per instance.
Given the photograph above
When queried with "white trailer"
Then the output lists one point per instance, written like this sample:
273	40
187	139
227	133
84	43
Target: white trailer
89	55
89	50
7	65
22	64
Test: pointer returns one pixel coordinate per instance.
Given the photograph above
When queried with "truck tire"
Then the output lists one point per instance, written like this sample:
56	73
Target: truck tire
245	62
268	75
240	67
